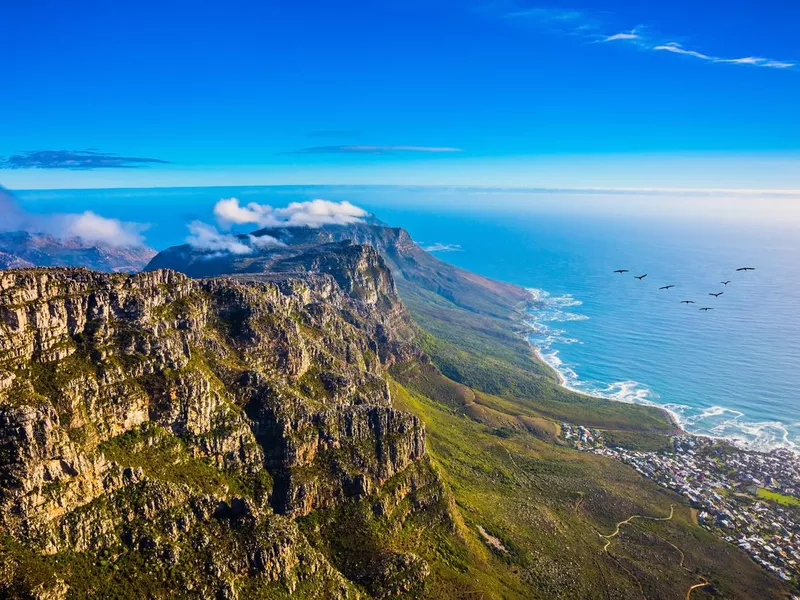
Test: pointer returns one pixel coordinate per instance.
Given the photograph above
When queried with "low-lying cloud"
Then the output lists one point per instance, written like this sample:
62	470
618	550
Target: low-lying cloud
314	213
75	160
208	238
440	247
96	229
88	227
229	212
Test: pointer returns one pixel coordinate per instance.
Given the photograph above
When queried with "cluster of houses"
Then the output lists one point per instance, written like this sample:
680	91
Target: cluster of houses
750	498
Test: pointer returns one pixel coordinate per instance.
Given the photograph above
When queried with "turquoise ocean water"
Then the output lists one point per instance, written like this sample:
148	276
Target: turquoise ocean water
731	372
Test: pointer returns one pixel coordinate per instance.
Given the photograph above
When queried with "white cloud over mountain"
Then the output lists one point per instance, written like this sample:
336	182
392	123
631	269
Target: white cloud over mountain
88	226
314	213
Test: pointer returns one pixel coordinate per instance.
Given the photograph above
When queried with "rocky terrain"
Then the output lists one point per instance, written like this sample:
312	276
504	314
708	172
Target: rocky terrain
286	427
20	249
155	416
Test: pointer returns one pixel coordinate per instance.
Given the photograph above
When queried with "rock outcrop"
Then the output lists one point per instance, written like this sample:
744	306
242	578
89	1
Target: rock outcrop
153	417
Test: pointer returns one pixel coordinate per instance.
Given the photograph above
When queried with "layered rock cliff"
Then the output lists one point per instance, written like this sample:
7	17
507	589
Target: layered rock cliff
157	422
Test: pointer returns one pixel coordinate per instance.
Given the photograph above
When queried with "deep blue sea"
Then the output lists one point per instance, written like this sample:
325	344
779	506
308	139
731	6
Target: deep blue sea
731	372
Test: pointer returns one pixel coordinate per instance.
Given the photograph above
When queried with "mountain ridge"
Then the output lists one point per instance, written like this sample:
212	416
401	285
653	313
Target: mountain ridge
19	249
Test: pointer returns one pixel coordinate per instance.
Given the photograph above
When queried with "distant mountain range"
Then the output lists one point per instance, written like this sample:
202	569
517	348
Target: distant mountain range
19	249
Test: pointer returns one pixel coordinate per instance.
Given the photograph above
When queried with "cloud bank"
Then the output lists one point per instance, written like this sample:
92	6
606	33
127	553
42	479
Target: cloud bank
229	212
373	149
314	213
95	229
206	237
75	160
88	227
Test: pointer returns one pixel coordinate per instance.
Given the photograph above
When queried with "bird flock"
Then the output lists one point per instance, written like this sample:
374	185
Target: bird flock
688	302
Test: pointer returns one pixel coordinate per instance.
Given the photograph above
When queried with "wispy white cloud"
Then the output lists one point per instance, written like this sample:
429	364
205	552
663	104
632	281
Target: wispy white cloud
755	61
593	27
627	36
440	247
547	14
678	49
364	149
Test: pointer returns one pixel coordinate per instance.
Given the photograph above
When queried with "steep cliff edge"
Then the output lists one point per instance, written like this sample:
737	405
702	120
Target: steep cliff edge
158	422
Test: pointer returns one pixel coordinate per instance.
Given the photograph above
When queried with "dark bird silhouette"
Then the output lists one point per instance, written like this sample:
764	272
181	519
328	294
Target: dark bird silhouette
717	295
621	271
706	308
640	277
746	269
725	282
688	302
666	287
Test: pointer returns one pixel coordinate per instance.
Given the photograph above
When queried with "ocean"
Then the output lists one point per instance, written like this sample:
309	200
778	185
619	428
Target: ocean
731	372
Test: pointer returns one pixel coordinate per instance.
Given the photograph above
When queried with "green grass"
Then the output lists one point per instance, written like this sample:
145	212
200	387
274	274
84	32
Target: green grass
166	457
487	353
547	503
778	497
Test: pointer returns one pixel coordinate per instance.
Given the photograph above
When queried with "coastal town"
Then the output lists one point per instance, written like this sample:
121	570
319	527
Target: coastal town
749	498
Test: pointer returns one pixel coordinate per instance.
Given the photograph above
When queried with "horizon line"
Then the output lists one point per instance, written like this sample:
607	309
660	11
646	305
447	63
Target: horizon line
598	190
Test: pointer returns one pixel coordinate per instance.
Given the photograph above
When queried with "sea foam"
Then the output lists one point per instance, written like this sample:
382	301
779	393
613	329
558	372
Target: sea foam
721	422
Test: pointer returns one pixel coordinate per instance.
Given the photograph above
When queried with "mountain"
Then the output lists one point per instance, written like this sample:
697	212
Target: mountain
445	299
293	432
23	249
407	260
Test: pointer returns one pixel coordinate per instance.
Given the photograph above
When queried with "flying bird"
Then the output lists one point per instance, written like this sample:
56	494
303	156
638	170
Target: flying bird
706	308
717	295
688	302
746	269
640	277
725	282
666	287
621	271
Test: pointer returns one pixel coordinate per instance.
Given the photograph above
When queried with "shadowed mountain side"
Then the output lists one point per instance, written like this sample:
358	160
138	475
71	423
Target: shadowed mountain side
22	249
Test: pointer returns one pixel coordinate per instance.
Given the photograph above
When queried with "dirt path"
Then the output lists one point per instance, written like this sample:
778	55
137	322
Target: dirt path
697	585
610	537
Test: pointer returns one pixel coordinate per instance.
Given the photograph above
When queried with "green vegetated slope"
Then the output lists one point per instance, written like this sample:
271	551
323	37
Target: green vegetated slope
492	412
549	507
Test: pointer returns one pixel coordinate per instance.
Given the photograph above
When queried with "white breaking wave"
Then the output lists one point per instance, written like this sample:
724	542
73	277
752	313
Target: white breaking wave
715	421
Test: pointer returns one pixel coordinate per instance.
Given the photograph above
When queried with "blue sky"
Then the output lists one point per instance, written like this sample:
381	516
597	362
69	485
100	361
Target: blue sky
578	94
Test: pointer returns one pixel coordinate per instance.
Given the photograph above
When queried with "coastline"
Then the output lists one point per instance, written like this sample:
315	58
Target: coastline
532	328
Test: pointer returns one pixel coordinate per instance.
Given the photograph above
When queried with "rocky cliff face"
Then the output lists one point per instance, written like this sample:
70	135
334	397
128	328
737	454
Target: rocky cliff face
415	270
158	420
